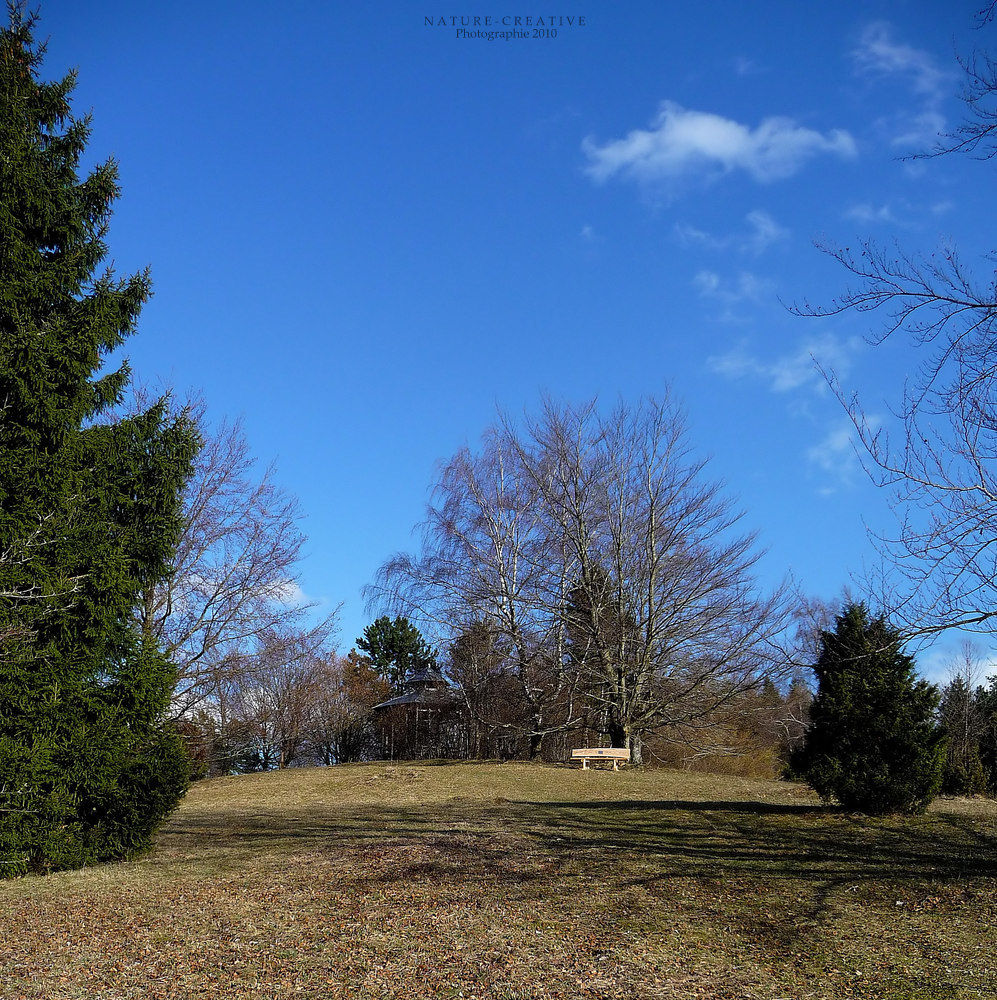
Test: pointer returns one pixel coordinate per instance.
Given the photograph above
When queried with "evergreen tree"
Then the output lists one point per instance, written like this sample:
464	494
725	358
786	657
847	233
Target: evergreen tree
962	724
89	507
986	706
871	743
396	649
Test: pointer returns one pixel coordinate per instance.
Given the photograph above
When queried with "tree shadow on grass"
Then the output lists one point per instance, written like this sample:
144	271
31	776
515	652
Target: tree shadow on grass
624	842
771	839
775	878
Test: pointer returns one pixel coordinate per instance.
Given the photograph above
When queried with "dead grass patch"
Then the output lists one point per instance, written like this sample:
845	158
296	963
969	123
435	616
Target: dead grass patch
519	882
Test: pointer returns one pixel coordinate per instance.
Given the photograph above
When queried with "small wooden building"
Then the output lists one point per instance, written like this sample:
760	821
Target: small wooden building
423	721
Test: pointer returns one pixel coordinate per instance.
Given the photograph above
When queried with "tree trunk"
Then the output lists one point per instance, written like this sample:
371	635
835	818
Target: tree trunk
617	734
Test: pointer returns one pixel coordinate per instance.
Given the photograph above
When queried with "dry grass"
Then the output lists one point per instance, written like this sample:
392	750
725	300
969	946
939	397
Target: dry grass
514	881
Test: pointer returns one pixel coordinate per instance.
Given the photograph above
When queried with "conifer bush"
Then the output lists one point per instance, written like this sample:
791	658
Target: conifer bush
872	744
90	506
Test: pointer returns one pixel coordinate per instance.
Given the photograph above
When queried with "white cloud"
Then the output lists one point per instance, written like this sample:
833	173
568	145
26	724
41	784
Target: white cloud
288	593
866	213
690	235
835	452
920	129
795	370
897	213
878	52
941	663
762	231
681	142
765	231
746	287
587	233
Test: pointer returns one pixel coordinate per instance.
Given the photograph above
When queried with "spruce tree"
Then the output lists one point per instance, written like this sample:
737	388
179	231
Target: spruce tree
871	744
89	505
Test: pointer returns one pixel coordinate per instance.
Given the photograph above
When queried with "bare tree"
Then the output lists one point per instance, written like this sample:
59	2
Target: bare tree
278	696
234	577
941	463
486	563
347	689
610	571
666	624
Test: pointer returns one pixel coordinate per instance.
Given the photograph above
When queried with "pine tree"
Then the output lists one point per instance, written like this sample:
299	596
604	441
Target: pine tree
89	506
396	649
871	743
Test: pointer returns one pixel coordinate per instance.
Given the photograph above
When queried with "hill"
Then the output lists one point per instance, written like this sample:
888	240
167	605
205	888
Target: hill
517	882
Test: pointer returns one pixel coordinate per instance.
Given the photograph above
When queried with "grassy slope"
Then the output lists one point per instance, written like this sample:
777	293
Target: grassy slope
514	881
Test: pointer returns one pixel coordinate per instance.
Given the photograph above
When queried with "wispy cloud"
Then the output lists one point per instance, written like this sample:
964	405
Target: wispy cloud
837	453
745	287
867	214
682	142
761	232
880	54
899	212
743	66
795	370
941	664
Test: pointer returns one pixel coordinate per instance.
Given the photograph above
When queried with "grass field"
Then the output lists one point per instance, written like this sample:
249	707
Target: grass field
516	881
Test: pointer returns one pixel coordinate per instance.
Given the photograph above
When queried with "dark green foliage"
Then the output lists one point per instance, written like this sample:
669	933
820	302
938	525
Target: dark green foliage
871	743
986	705
89	508
962	723
396	649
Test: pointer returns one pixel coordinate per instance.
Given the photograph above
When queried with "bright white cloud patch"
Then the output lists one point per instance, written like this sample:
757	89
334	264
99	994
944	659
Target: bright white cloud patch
795	370
682	142
764	231
835	452
866	213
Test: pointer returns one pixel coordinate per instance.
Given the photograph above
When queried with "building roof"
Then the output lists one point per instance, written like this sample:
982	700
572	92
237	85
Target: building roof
428	688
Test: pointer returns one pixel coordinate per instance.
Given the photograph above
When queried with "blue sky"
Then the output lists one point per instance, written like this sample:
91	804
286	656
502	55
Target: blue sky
366	233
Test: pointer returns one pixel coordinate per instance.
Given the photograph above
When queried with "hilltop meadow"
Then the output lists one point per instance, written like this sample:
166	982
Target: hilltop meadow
517	882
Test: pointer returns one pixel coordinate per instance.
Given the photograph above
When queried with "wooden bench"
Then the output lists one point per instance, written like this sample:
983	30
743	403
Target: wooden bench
617	755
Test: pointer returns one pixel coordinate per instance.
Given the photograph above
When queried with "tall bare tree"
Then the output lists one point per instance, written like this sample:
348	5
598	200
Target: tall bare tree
234	578
940	462
610	570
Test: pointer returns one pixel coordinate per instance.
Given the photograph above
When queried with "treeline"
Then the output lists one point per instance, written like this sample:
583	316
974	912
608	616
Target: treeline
277	709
